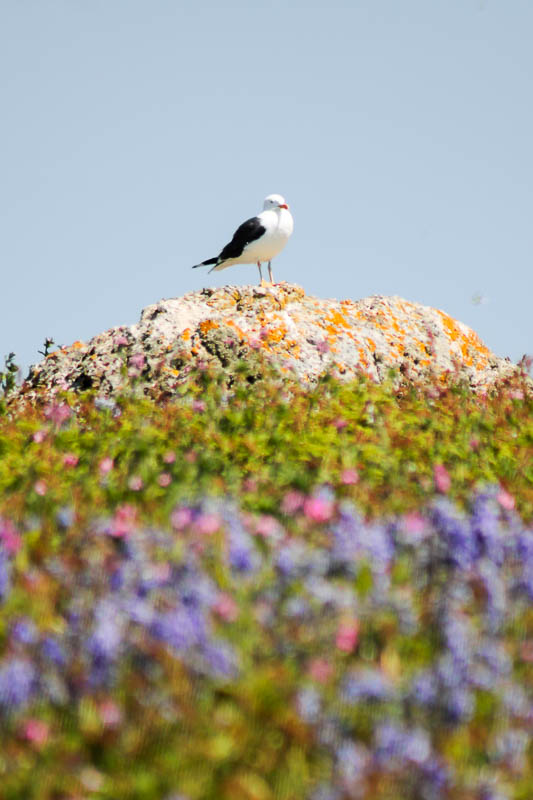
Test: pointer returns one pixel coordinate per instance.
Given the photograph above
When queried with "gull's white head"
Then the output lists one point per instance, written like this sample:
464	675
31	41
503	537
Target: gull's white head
273	202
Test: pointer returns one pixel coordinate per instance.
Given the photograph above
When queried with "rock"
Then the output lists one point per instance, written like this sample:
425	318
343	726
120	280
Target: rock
303	336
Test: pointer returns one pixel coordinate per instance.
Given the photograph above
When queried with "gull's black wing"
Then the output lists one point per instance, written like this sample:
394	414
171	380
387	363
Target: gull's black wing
248	232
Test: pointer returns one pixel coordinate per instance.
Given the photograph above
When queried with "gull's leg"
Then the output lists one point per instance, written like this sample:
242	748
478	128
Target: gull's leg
270	273
260	273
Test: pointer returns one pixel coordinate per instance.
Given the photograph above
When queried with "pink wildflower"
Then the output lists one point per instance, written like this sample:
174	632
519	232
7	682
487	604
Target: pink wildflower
70	460
266	526
137	361
110	713
190	457
135	483
120	341
9	536
320	670
58	413
207	524
124	520
292	502
442	478
526	652
349	477
414	524
106	465
226	607
165	479
180	518
169	457
198	406
250	485
36	731
161	571
39	436
318	509
506	500
516	394
347	636
474	443
339	423
40	488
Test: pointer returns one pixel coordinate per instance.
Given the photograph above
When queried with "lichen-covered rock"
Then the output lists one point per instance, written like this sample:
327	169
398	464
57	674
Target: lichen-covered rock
303	335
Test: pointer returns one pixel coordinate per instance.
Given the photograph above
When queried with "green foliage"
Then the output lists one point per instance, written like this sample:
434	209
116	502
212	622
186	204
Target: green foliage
8	377
70	465
267	437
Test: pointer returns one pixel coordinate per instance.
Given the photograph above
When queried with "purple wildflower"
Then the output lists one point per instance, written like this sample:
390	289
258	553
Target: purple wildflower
326	792
397	746
486	528
106	639
65	517
353	540
181	628
220	659
458	636
308	704
455	533
53	651
492	793
434	779
494	586
139	611
366	684
243	556
510	747
458	704
17	683
424	689
353	760
24	631
291	559
5	574
195	589
524	549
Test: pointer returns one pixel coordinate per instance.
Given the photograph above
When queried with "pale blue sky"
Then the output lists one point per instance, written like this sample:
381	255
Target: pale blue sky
136	136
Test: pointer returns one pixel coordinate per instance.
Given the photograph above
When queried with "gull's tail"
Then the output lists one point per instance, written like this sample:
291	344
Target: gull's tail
206	263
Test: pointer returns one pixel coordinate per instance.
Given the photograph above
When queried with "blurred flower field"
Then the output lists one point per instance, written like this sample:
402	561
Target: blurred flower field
268	594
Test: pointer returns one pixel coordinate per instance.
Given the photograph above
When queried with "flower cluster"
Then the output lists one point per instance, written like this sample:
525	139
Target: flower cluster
395	654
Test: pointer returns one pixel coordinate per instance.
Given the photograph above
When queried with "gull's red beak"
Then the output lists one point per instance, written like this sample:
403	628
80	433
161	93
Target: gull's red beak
284	205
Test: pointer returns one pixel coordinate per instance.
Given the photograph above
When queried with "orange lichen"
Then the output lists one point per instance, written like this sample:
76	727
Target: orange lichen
242	335
186	334
468	342
208	325
276	334
337	319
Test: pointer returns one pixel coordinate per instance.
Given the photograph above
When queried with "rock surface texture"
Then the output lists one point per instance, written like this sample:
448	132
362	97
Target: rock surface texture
303	335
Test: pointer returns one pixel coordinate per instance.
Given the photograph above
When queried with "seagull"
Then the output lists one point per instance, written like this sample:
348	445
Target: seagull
257	240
